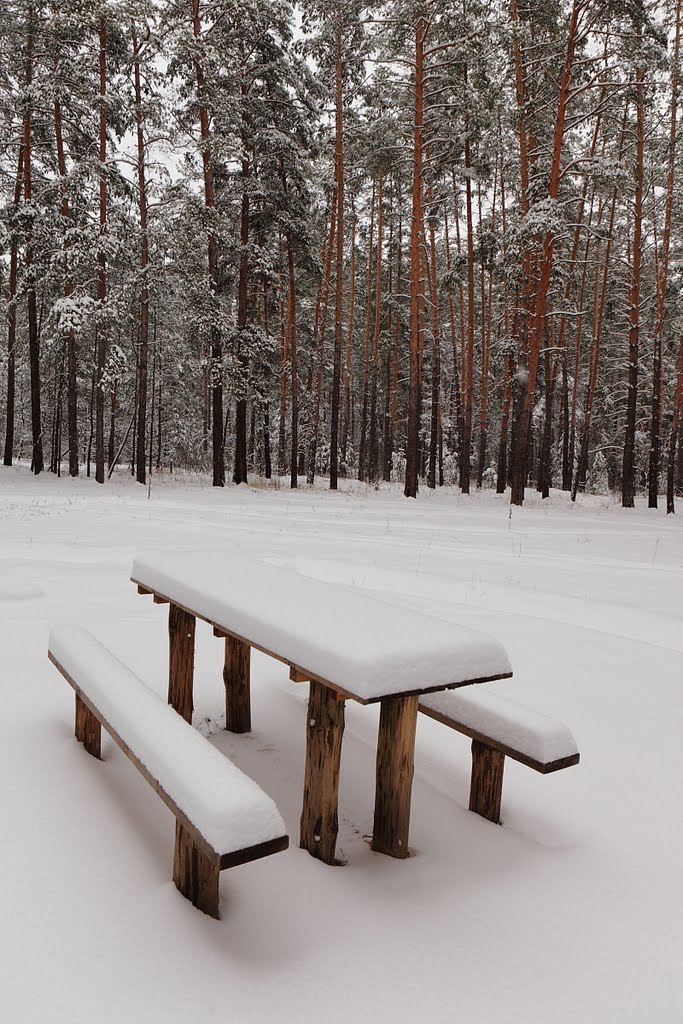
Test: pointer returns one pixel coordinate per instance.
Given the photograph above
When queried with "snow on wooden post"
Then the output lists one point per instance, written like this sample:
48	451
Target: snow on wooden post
181	627
88	730
236	679
324	732
195	873
395	756
486	786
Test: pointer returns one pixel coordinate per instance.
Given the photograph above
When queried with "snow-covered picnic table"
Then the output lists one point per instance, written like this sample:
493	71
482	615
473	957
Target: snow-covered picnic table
347	644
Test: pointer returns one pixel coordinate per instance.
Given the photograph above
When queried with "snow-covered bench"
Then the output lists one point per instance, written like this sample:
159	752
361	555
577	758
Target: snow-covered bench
346	643
500	728
223	818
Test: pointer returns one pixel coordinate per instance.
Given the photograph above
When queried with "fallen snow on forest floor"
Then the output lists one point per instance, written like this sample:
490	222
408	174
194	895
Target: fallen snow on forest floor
571	911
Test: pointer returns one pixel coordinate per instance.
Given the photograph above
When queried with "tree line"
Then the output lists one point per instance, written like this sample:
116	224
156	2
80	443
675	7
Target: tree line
395	241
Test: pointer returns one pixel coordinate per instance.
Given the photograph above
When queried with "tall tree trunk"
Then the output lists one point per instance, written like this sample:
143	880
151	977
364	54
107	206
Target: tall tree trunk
12	317
239	475
143	352
363	445
70	340
346	382
216	376
628	482
320	353
101	353
373	445
416	280
662	280
37	461
339	263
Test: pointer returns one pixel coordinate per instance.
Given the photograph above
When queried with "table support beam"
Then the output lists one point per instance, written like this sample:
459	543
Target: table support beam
324	732
394	781
237	690
181	628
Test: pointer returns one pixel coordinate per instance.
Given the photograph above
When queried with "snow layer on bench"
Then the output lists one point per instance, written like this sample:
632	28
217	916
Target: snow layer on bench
227	807
536	736
365	646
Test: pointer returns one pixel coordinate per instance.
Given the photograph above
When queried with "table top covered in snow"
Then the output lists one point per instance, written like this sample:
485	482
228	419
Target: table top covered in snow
359	645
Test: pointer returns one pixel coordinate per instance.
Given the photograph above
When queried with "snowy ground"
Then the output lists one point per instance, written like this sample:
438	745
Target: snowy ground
572	911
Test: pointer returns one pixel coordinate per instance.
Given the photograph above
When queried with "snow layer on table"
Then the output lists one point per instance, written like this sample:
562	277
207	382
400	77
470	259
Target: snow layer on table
363	645
536	736
230	810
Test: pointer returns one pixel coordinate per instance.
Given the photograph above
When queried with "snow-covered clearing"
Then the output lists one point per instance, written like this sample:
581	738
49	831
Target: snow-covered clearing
572	911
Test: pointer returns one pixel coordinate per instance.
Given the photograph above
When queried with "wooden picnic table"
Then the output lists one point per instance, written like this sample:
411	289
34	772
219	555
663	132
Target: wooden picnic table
346	644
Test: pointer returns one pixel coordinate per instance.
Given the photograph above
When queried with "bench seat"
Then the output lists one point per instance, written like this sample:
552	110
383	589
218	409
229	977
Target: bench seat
500	728
223	818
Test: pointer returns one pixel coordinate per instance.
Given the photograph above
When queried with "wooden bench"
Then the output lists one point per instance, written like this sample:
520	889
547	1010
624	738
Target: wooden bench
223	818
500	728
346	644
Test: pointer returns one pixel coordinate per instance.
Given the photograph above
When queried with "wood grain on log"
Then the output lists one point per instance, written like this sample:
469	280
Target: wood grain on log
395	761
486	786
181	629
195	874
236	679
324	733
88	729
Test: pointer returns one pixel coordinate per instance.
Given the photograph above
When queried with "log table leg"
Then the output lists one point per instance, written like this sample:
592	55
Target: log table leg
181	627
324	732
486	785
194	874
395	759
88	729
236	679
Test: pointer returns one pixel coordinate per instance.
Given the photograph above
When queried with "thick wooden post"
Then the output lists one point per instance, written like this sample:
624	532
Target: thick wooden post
88	730
181	627
395	758
324	732
486	787
236	679
195	875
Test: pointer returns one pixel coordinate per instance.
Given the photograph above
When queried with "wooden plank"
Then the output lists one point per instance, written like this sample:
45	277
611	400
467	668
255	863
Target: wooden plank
143	590
394	781
160	600
181	630
314	677
324	733
486	786
233	860
544	767
297	676
88	729
196	876
237	689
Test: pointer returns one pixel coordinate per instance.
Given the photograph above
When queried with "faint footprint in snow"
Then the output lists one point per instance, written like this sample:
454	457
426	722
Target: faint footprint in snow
25	592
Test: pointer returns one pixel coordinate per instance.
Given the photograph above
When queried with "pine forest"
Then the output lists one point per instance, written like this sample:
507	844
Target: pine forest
430	243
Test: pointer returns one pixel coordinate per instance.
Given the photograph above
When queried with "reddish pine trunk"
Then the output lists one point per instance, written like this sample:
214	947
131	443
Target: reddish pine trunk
12	319
216	369
339	278
416	281
373	453
628	483
143	356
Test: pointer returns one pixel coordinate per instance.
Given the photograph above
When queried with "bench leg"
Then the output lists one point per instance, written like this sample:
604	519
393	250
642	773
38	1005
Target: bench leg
194	874
324	731
236	679
181	627
88	729
395	761
486	787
